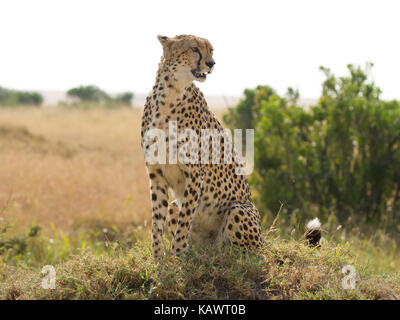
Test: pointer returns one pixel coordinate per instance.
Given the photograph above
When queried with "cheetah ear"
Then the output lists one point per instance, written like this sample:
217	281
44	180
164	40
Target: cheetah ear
166	44
162	39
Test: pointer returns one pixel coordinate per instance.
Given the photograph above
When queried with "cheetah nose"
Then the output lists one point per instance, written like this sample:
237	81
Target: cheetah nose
210	64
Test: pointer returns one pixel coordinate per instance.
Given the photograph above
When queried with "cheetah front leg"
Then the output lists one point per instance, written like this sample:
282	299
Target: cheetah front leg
187	212
173	213
159	204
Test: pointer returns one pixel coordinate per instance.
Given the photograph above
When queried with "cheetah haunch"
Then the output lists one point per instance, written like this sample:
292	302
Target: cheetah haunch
212	201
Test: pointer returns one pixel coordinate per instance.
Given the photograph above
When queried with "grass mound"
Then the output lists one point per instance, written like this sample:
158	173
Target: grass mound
19	138
283	269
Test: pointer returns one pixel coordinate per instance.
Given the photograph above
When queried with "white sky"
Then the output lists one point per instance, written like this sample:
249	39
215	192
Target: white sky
57	44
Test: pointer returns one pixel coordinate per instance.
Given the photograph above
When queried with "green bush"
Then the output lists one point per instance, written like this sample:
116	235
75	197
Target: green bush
246	113
340	158
92	96
88	94
124	98
15	98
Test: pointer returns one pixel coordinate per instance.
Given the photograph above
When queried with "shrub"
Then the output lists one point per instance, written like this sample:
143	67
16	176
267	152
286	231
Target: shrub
246	113
340	157
92	96
15	98
88	94
124	98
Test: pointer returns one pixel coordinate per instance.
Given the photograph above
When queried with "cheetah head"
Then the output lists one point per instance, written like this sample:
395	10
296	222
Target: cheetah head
190	56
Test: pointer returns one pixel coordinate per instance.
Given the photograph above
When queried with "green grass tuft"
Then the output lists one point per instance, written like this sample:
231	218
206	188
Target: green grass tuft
282	269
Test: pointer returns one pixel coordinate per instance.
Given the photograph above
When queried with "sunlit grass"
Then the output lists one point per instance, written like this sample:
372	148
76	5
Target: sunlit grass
74	194
62	166
91	267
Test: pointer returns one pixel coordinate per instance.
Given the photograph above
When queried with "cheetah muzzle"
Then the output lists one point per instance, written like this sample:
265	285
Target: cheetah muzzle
199	75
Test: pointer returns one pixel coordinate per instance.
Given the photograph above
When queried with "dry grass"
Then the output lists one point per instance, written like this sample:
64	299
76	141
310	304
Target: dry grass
66	166
79	174
281	270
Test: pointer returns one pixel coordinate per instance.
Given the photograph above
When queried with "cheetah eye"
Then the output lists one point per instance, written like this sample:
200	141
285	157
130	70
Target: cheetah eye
195	49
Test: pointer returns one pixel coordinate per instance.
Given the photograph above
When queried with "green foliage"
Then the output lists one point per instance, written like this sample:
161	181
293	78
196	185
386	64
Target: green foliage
12	98
340	158
124	98
245	114
12	246
89	96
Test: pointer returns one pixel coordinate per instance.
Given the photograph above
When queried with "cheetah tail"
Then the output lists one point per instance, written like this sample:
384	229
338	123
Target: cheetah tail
313	232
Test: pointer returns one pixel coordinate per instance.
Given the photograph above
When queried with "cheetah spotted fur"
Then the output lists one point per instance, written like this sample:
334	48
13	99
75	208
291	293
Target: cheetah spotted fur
212	202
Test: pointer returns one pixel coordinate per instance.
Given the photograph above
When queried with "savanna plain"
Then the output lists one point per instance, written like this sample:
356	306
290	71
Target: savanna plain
74	194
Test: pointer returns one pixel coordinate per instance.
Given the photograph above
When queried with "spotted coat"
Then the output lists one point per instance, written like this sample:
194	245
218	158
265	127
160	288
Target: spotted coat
211	201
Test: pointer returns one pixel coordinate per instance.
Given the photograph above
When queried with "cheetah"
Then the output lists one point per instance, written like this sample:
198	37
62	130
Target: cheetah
212	202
